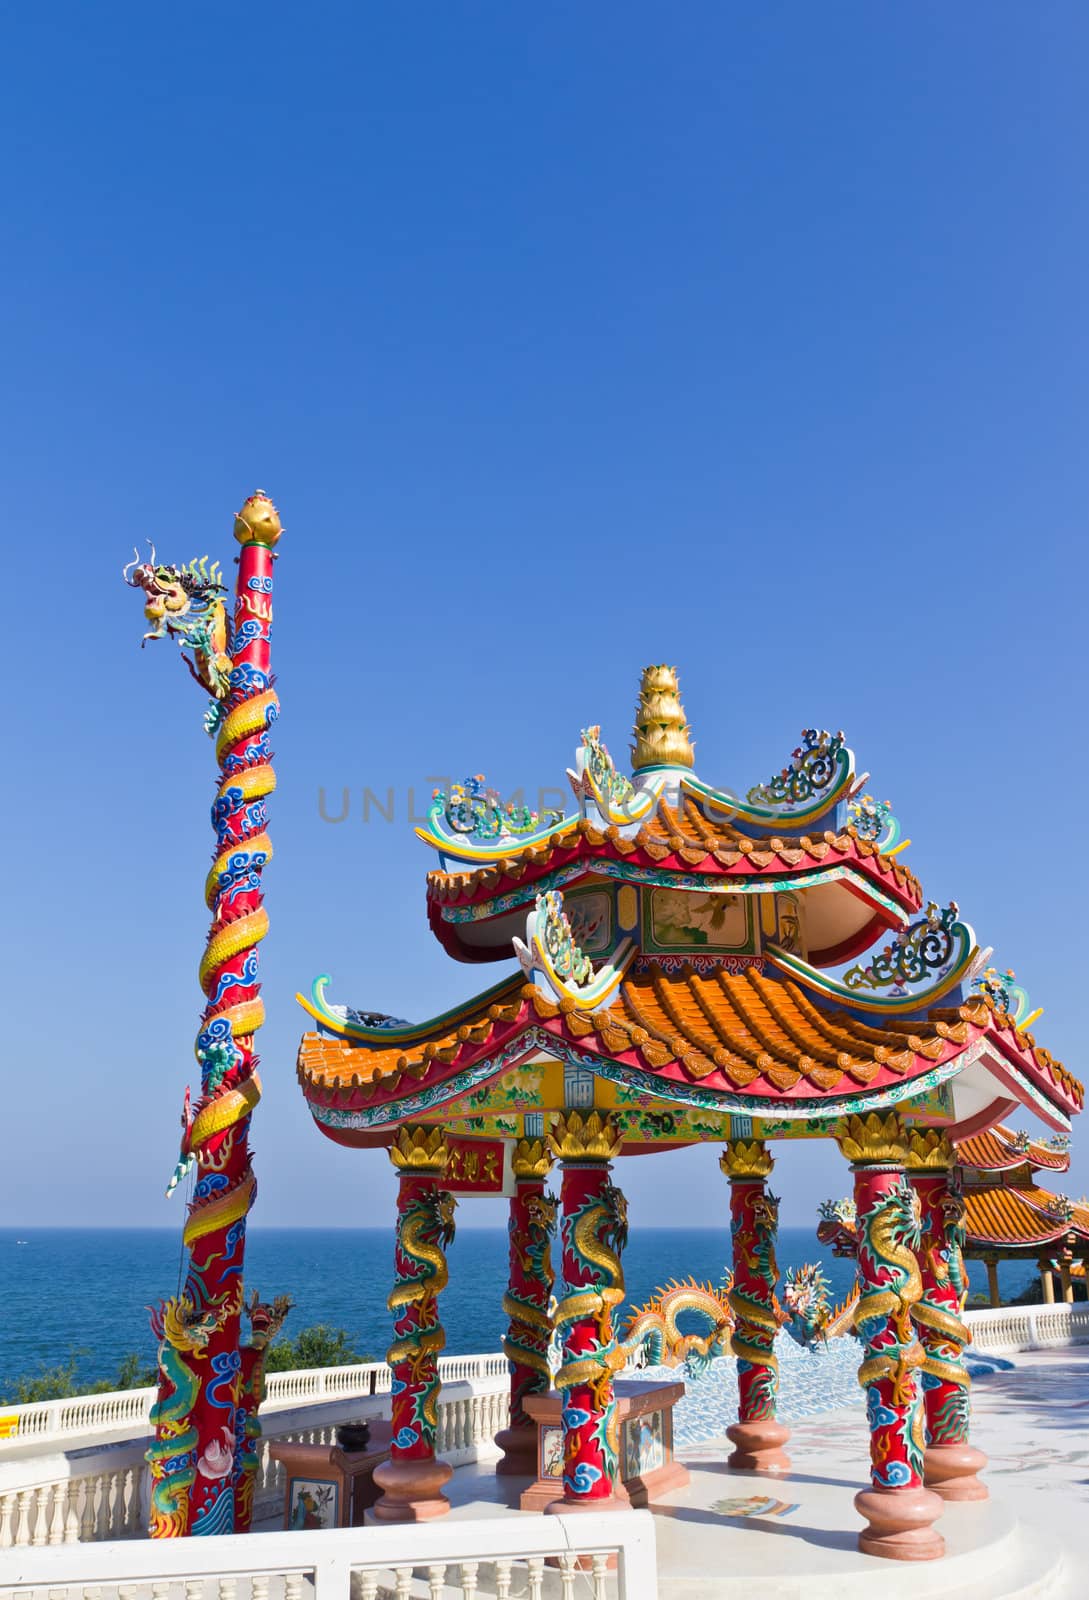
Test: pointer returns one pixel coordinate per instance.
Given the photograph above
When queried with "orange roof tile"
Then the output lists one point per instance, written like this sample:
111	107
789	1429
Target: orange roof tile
1018	1214
998	1150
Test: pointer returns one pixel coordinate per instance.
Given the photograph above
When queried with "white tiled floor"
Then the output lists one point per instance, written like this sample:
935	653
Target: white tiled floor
735	1535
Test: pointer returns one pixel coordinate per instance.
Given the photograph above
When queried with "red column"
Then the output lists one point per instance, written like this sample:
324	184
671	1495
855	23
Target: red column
412	1478
754	1217
594	1231
530	1228
951	1462
899	1509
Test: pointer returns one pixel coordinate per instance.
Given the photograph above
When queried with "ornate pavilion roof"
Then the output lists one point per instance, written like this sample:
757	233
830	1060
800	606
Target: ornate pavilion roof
1008	1213
671	938
1014	1215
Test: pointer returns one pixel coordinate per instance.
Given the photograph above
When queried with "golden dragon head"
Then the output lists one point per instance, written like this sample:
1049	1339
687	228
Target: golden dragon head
179	1323
541	1213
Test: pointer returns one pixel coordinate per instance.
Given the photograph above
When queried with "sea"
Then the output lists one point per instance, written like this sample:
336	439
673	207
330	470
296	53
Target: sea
84	1292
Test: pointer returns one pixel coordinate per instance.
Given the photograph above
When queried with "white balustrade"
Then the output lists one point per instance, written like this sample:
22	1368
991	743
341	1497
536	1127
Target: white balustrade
125	1411
88	1495
473	1560
1035	1327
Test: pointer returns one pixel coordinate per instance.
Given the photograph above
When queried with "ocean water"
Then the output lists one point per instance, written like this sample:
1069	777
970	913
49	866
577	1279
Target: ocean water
86	1290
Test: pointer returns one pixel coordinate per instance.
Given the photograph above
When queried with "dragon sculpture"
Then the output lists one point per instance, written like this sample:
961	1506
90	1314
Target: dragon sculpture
183	1333
937	1314
889	1236
187	604
807	1313
752	1300
594	1234
425	1229
653	1338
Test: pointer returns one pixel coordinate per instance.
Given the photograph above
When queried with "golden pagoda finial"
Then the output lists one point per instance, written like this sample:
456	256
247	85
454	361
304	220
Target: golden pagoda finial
661	728
258	522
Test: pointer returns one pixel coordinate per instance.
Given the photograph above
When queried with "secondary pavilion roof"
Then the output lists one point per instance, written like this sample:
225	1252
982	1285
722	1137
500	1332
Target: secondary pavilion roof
1007	1208
686	839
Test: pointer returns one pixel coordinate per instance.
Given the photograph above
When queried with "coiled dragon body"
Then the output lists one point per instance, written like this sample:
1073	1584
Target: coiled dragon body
183	1333
425	1229
653	1337
526	1343
946	1381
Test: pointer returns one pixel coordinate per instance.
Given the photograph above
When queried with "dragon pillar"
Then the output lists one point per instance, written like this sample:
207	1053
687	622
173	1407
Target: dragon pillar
232	664
757	1436
951	1463
594	1232
412	1479
899	1510
530	1227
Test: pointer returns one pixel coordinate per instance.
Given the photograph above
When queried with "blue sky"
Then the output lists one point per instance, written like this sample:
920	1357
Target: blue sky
752	339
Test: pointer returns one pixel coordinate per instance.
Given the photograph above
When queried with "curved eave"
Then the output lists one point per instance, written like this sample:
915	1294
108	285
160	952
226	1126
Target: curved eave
748	1043
458	847
888	1005
403	1034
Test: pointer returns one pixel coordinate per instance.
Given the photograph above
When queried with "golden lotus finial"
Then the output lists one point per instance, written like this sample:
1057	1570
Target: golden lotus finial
258	522
593	1137
661	728
419	1148
531	1159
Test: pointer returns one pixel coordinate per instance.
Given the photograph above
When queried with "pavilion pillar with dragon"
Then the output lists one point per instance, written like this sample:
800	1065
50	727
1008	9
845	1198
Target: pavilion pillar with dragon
688	967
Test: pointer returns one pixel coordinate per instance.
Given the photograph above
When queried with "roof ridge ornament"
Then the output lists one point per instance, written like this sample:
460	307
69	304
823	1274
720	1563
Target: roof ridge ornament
1007	998
552	957
474	809
662	733
598	779
933	944
814	767
874	821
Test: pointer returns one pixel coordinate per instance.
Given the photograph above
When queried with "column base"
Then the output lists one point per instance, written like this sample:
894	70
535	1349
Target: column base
606	1502
567	1508
950	1470
900	1524
519	1447
759	1446
412	1490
